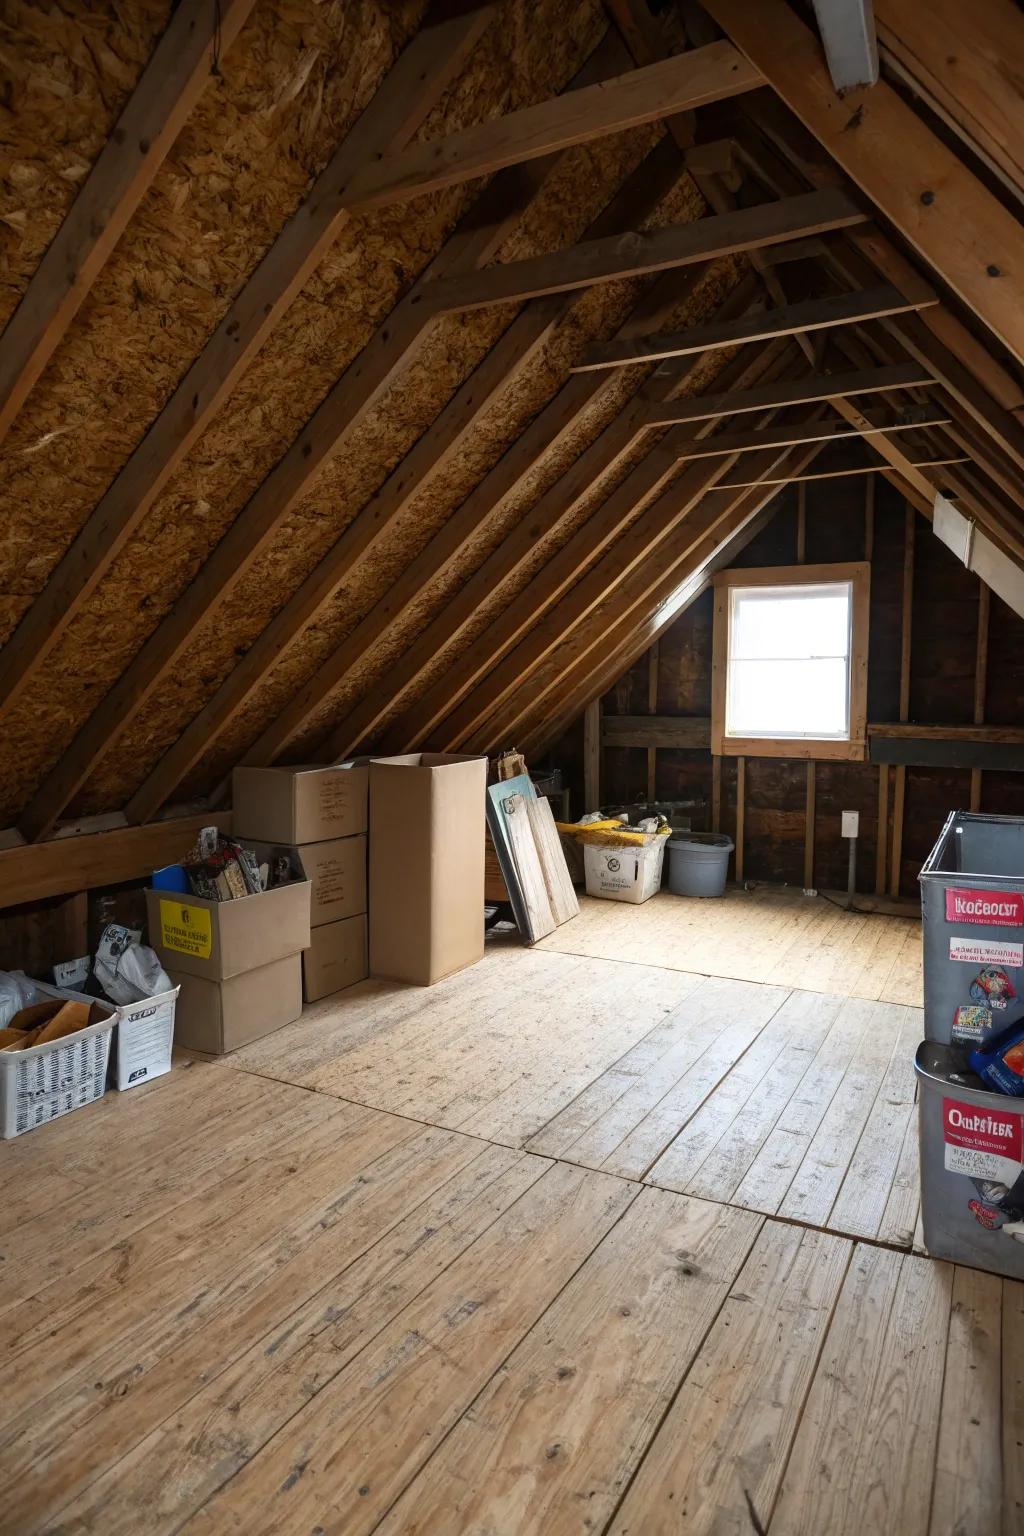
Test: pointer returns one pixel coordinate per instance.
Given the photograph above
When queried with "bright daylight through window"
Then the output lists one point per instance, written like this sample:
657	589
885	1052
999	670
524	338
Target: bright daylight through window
789	661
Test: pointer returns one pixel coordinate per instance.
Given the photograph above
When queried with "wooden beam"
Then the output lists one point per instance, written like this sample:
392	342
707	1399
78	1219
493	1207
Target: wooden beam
652	706
906	638
812	432
640	252
654	179
864	381
803	150
976	754
652	731
476	240
980	680
592	756
903	730
919	184
61	865
847	30
452	709
809	813
741	814
956	56
623	585
882	844
644	95
196	37
907	611
811	315
624	637
401	103
511	471
801	524
860	469
500	566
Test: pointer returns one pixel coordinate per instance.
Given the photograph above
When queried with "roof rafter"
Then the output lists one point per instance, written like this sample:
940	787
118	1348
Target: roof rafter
196	36
667	596
240	545
639	543
509	558
925	190
511	354
401	103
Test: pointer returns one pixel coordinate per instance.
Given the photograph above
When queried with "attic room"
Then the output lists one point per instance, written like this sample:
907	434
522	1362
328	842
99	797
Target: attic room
512	767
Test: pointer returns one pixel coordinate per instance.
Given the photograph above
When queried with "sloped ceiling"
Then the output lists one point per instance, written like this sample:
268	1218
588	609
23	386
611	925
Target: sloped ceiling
307	449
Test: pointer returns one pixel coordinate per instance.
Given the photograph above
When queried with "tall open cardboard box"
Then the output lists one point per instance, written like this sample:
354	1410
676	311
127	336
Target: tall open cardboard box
426	865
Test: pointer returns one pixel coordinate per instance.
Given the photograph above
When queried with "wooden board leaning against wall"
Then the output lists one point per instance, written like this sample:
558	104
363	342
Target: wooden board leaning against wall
945	695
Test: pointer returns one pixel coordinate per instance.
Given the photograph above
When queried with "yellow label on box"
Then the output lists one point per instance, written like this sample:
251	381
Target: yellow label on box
186	929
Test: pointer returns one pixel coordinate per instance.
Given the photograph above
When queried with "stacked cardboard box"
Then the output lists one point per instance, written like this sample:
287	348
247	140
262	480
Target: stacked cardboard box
314	819
237	963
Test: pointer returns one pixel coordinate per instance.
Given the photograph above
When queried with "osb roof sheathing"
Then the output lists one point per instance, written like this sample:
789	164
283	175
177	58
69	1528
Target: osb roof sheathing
290	88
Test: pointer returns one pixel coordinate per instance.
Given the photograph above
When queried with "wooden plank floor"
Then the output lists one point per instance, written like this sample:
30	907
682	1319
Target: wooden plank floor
603	1247
783	938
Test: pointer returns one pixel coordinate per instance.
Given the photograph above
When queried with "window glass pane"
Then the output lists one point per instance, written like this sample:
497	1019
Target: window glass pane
790	621
788	698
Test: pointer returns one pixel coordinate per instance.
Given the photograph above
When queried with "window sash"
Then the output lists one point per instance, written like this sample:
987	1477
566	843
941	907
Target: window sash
742	718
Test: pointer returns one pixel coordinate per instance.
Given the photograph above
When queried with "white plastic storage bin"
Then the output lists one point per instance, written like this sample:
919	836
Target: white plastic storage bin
624	874
46	1081
145	1034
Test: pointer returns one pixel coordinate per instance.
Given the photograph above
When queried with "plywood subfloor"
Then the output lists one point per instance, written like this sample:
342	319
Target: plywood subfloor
558	1246
784	939
334	1319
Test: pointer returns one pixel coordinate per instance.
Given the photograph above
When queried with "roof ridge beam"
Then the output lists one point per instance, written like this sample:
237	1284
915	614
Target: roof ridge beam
927	192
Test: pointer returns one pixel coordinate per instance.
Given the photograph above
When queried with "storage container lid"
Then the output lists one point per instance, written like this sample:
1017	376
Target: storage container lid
701	842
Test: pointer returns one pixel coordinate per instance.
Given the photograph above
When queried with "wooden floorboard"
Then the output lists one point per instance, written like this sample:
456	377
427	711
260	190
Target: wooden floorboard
561	1245
784	939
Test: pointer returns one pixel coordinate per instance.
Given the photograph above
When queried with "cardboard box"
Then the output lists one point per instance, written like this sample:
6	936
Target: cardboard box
144	1039
221	939
624	874
298	805
336	871
426	894
336	958
220	1016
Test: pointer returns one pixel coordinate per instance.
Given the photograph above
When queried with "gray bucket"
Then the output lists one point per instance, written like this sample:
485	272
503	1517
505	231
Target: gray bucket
972	909
698	863
972	1157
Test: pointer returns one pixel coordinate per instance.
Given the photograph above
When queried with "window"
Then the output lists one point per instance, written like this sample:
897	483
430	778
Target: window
790	668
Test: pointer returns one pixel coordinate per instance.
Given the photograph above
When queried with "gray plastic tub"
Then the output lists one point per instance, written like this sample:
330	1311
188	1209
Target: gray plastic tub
698	863
972	1165
972	906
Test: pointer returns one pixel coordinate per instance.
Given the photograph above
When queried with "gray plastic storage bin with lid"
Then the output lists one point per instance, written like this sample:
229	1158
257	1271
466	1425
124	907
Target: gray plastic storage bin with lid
698	863
972	907
972	1165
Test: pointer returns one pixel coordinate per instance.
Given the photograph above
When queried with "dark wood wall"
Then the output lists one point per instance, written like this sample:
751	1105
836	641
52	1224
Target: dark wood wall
839	522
